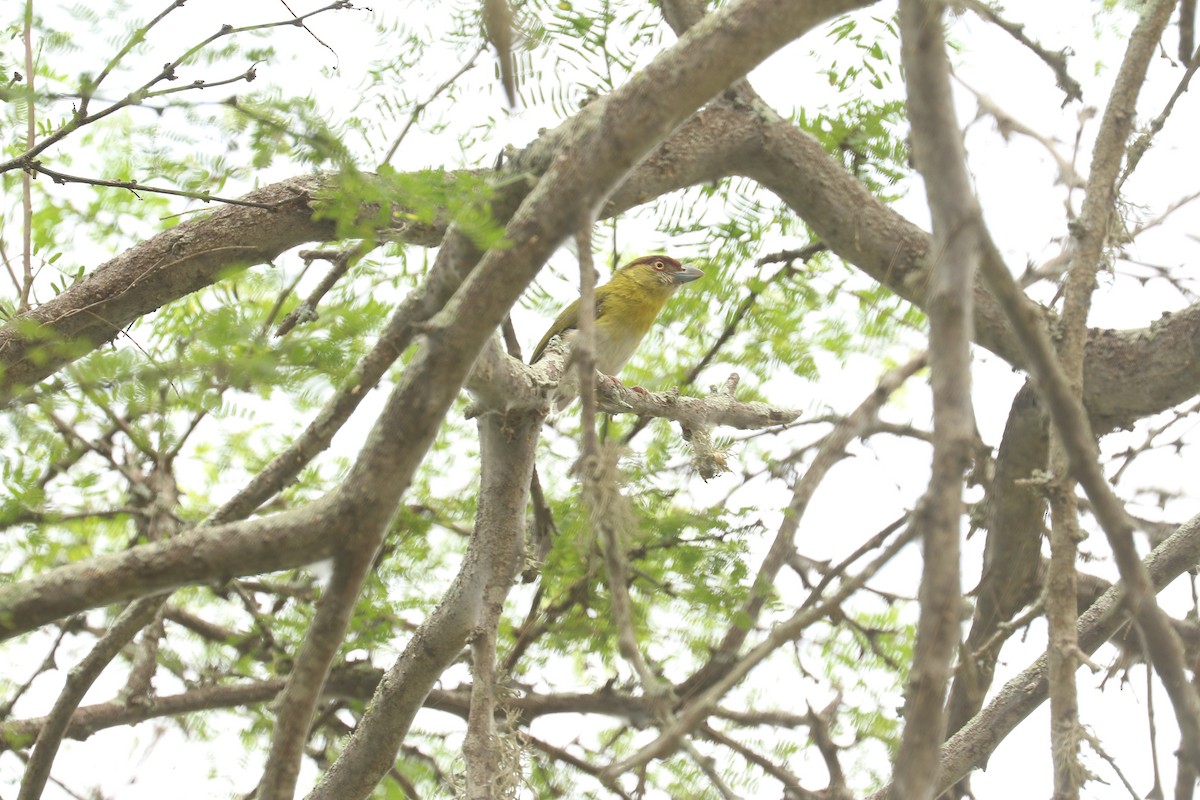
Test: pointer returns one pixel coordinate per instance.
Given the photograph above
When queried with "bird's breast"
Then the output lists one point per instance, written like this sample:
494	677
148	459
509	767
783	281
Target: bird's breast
615	344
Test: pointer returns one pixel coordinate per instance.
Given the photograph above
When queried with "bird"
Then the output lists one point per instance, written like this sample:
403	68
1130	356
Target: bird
626	308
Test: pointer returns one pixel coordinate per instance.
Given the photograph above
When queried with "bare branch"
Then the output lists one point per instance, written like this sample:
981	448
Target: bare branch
341	261
791	784
1055	61
298	702
135	617
957	232
37	167
698	708
831	451
974	742
48	663
487	571
420	107
81	117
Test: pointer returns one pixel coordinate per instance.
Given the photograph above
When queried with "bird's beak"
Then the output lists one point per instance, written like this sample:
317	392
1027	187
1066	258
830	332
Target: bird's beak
687	275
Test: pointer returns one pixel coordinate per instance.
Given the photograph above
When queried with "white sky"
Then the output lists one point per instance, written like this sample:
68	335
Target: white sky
1024	208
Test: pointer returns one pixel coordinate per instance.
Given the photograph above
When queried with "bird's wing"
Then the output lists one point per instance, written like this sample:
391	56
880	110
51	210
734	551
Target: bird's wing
567	320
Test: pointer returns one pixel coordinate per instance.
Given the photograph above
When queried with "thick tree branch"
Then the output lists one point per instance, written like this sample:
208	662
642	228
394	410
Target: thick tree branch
957	232
356	682
281	541
507	445
507	451
1091	234
1072	423
971	746
174	263
1012	562
306	681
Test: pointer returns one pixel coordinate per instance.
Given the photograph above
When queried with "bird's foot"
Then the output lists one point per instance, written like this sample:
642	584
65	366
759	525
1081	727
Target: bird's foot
617	382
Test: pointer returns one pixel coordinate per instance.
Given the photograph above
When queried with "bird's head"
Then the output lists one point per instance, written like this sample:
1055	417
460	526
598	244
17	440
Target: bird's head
655	274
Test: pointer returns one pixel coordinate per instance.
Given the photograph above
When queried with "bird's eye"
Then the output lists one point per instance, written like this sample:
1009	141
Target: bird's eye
658	265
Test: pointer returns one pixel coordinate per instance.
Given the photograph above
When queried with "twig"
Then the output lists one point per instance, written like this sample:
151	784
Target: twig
81	117
135	617
1094	741
101	449
300	21
705	763
789	781
420	107
135	187
832	451
341	261
87	91
803	254
48	663
1139	148
1008	124
1154	223
1055	61
26	180
691	715
818	726
559	754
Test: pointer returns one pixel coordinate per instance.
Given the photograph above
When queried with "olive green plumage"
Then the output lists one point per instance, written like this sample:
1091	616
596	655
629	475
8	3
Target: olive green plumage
626	308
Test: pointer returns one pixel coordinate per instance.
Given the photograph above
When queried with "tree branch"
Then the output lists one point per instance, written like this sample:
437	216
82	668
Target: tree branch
135	617
298	702
507	445
974	742
831	451
957	232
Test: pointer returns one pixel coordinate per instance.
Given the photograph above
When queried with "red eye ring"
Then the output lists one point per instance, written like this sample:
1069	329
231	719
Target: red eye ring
658	265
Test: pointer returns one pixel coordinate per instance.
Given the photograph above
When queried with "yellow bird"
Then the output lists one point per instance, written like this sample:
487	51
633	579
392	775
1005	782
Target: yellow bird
626	308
